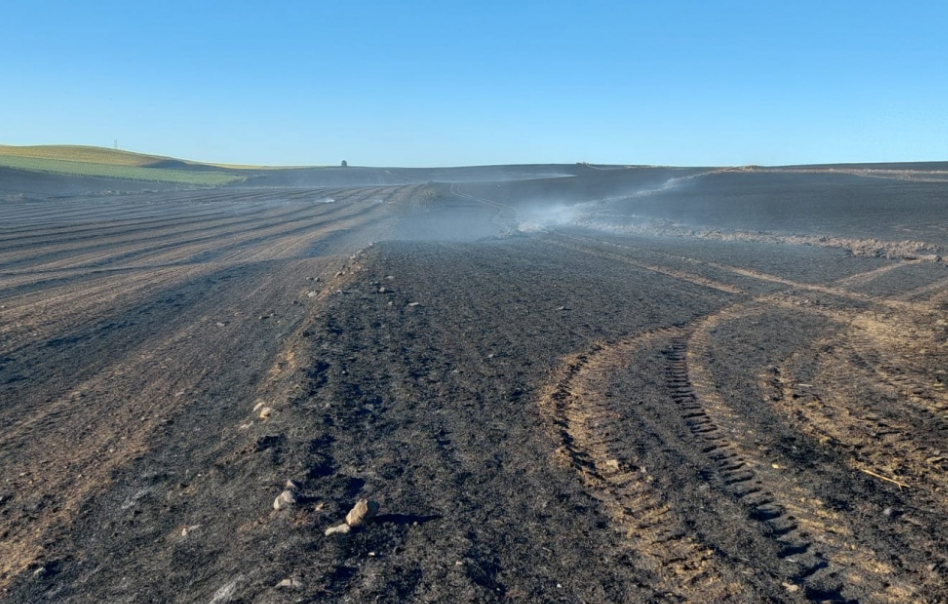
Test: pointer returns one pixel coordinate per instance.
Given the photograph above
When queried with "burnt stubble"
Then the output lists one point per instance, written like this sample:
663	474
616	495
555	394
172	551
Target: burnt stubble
560	383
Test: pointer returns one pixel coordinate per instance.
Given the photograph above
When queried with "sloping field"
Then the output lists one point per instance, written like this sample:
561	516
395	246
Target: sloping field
119	170
628	385
80	153
112	164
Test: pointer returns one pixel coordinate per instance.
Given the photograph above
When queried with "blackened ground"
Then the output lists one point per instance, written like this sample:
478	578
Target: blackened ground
565	415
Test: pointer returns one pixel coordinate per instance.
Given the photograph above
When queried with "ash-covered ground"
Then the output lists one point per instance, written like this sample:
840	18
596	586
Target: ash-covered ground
559	383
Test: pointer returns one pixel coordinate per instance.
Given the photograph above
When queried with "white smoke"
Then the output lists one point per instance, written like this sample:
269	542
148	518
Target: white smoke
589	214
544	218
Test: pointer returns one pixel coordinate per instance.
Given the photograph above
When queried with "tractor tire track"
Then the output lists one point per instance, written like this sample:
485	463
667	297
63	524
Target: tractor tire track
817	539
812	552
585	426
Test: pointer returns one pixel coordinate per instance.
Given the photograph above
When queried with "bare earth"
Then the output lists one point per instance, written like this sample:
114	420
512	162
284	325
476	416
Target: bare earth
561	384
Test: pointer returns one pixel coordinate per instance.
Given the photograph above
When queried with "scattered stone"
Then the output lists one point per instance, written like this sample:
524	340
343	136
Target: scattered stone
289	584
257	406
363	511
413	304
291	485
266	412
790	587
221	324
284	500
189	529
382	290
887	512
39	572
311	294
390	277
341	529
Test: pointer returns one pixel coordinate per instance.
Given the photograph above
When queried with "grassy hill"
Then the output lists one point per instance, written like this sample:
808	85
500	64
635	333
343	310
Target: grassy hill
77	160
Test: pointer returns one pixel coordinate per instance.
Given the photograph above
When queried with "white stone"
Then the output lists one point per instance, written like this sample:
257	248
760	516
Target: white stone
340	529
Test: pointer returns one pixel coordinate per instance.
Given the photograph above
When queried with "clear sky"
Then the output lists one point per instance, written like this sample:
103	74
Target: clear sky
456	83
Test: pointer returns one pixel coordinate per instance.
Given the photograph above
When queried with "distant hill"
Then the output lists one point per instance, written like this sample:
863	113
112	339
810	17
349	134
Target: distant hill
90	169
56	170
82	153
355	176
100	162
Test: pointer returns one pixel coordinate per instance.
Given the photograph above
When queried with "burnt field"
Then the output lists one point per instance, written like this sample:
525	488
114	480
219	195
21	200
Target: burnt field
561	384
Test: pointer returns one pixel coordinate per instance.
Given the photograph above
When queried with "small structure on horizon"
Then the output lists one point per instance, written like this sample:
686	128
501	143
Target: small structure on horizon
345	164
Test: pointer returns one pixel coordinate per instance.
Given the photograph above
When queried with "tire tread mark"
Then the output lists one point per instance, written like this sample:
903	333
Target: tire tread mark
684	570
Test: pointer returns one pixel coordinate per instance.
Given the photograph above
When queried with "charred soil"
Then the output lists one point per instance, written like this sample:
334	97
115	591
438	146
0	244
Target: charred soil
195	385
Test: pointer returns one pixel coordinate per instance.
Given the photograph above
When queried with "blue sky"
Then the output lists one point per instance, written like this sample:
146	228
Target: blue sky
458	83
